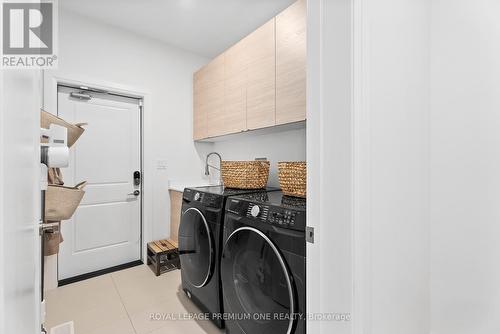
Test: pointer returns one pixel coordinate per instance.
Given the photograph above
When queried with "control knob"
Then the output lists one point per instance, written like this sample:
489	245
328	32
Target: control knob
197	196
255	211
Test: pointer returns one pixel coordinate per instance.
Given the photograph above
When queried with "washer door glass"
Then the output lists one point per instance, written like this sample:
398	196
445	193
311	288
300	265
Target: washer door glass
257	288
195	247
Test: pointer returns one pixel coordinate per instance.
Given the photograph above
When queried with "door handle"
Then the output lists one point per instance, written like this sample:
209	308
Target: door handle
48	228
135	193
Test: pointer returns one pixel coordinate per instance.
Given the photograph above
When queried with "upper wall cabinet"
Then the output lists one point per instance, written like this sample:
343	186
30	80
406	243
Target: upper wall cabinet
258	83
199	109
214	97
235	89
261	85
291	64
208	102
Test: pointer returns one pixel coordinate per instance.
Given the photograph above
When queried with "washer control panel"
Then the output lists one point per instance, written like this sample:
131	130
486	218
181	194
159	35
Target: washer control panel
208	200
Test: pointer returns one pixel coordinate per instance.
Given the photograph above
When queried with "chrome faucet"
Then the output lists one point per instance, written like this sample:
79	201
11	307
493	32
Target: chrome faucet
208	166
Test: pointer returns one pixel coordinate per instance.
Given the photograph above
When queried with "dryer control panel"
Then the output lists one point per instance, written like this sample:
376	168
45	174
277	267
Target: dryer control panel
279	216
208	200
283	216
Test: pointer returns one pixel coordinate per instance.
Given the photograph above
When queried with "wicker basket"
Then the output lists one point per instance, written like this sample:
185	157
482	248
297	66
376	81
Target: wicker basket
61	202
74	130
292	176
51	241
245	174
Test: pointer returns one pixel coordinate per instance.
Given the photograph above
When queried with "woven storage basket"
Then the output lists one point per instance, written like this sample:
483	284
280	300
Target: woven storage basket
74	130
51	241
245	174
61	202
292	176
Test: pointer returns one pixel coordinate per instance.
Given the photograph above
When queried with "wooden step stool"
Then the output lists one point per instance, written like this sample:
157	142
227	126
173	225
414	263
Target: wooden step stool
163	256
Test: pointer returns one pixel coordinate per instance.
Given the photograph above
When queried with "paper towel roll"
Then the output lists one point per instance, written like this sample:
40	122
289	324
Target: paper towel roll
58	157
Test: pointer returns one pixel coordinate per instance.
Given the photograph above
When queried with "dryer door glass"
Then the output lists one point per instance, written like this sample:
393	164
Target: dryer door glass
257	288
195	247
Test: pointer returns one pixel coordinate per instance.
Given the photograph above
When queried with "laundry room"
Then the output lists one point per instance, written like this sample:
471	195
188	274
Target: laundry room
191	106
249	166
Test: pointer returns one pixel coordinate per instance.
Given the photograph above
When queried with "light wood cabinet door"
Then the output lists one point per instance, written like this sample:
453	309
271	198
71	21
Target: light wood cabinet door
199	110
291	63
261	82
214	96
175	214
209	99
235	89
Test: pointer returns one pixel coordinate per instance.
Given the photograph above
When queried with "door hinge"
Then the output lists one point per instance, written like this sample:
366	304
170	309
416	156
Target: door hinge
310	234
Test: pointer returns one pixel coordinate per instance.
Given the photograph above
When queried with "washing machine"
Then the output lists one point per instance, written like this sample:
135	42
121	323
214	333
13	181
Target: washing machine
263	264
200	239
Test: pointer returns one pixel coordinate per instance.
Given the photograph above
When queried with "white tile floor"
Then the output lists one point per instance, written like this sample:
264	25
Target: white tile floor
123	302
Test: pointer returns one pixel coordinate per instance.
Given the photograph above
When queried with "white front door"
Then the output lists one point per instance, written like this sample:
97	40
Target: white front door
105	231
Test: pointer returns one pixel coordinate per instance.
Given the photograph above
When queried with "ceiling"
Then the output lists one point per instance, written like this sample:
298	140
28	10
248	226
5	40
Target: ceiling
205	27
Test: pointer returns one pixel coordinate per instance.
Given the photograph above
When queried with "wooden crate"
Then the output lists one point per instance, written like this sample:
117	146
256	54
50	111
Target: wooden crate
163	256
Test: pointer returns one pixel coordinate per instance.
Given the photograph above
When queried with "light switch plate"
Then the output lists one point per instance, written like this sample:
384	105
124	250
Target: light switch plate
161	164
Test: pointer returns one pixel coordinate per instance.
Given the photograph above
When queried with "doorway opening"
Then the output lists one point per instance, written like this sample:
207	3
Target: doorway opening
105	233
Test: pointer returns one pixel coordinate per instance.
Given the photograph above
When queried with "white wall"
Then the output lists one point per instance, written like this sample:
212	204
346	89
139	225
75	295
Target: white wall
465	157
94	53
426	166
280	146
397	101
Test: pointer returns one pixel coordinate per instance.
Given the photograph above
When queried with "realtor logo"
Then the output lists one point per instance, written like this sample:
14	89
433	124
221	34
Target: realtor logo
28	34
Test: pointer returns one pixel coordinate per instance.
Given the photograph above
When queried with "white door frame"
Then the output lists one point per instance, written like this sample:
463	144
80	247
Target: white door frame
338	134
2	279
341	169
330	164
146	140
20	304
